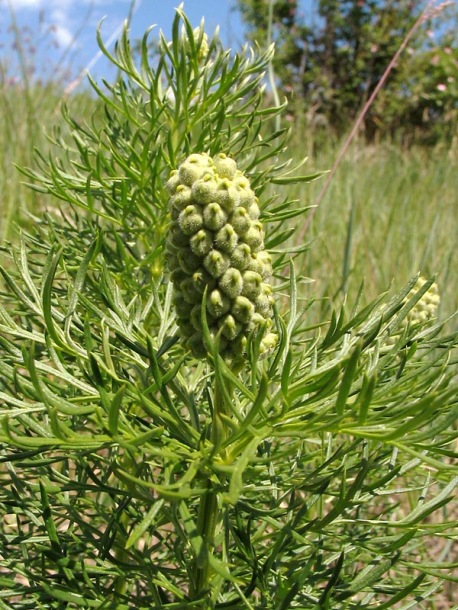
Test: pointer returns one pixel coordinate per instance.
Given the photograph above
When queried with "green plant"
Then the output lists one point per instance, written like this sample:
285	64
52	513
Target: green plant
138	475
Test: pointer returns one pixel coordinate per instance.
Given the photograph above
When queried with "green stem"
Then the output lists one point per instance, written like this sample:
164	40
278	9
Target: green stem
207	520
209	514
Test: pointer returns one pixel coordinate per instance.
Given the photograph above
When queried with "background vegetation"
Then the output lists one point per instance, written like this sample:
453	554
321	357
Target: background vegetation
329	65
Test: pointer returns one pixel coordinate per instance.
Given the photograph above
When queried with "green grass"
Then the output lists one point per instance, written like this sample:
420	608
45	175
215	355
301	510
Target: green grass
388	214
28	118
31	93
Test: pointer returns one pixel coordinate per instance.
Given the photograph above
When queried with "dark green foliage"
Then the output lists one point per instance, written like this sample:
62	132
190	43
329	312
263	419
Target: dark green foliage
330	65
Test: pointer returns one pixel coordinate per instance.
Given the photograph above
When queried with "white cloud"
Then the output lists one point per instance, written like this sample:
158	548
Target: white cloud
18	4
64	17
63	36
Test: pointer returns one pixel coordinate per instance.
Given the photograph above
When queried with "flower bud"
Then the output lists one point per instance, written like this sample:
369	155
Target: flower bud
177	237
230	327
243	309
251	285
231	283
241	257
172	182
253	210
215	246
225	166
227	195
193	168
263	305
256	265
216	263
202	280
238	345
268	343
189	292
214	217
201	243
226	239
204	190
265	260
190	220
181	198
254	236
188	261
240	221
426	307
218	303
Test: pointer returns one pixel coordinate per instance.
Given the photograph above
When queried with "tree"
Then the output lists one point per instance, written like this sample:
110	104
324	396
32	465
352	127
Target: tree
331	69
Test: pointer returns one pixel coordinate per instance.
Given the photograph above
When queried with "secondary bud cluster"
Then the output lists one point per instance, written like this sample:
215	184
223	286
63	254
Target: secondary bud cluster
216	242
426	308
423	311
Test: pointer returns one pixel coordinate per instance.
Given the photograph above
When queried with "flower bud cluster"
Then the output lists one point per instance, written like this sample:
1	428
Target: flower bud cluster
423	311
204	47
426	308
216	243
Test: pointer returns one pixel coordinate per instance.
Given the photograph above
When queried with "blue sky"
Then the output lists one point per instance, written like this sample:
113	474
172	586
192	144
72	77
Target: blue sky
62	32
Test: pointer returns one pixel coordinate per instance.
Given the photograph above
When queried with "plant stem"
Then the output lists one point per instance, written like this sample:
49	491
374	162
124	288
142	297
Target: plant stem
209	513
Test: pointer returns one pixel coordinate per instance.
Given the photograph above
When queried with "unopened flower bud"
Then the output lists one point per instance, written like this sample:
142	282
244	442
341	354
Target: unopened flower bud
203	190
268	342
214	217
230	327
426	307
201	243
241	257
193	168
254	237
172	182
240	221
190	220
253	210
218	303
216	263
188	261
251	285
263	305
243	309
231	283
227	195
226	239
181	198
188	290
225	166
215	246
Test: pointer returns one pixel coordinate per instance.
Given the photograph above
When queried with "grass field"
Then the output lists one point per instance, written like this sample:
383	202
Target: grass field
388	214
